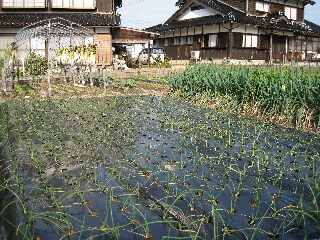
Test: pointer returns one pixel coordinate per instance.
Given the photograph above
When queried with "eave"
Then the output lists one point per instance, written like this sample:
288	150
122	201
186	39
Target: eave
85	19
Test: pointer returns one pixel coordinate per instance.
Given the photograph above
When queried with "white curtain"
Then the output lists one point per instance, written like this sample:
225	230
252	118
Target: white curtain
176	41
190	40
212	40
250	41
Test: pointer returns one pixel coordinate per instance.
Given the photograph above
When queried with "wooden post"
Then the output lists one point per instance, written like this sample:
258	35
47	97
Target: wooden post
90	75
73	70
271	45
48	54
229	50
305	47
104	74
292	53
4	84
149	52
23	67
18	70
286	53
64	69
10	82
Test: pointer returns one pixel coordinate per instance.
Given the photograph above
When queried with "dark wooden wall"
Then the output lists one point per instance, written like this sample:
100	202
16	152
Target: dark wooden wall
104	5
278	47
300	15
183	52
249	54
274	7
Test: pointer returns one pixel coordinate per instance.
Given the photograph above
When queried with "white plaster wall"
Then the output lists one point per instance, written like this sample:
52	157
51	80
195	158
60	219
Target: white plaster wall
184	32
247	29
282	33
177	32
198	30
211	29
188	14
240	28
191	31
102	30
287	33
168	34
225	27
251	29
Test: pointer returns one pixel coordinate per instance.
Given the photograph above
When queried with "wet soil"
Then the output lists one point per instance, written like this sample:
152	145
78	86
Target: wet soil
136	166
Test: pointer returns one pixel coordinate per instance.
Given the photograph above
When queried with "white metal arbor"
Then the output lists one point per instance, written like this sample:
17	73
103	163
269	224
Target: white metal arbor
56	33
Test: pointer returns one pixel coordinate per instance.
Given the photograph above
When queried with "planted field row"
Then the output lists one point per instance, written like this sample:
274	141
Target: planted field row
292	93
136	167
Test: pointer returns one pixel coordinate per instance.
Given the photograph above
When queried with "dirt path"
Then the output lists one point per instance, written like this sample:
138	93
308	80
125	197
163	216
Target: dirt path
63	90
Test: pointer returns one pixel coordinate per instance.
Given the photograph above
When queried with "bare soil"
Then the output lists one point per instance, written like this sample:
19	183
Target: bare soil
62	90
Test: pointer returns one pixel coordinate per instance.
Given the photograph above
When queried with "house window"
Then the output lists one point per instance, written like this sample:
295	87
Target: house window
212	41
23	3
61	3
218	40
159	42
262	6
250	41
73	3
176	41
190	40
290	12
168	42
183	40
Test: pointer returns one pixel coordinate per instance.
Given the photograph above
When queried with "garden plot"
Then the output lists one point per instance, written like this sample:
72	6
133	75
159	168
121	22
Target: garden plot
135	167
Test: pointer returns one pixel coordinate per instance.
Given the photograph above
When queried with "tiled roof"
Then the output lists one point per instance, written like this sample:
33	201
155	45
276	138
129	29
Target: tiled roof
279	21
230	14
314	27
305	2
191	22
85	19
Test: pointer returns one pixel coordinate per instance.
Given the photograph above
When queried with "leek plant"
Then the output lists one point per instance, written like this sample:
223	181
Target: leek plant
291	93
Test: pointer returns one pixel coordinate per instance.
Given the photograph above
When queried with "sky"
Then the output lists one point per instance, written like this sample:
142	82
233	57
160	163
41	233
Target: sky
140	14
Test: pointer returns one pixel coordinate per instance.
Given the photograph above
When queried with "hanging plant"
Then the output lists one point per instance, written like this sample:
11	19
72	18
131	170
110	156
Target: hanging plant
81	52
36	64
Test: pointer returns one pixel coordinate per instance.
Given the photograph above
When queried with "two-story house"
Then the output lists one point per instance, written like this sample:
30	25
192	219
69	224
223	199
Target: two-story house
266	30
97	16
